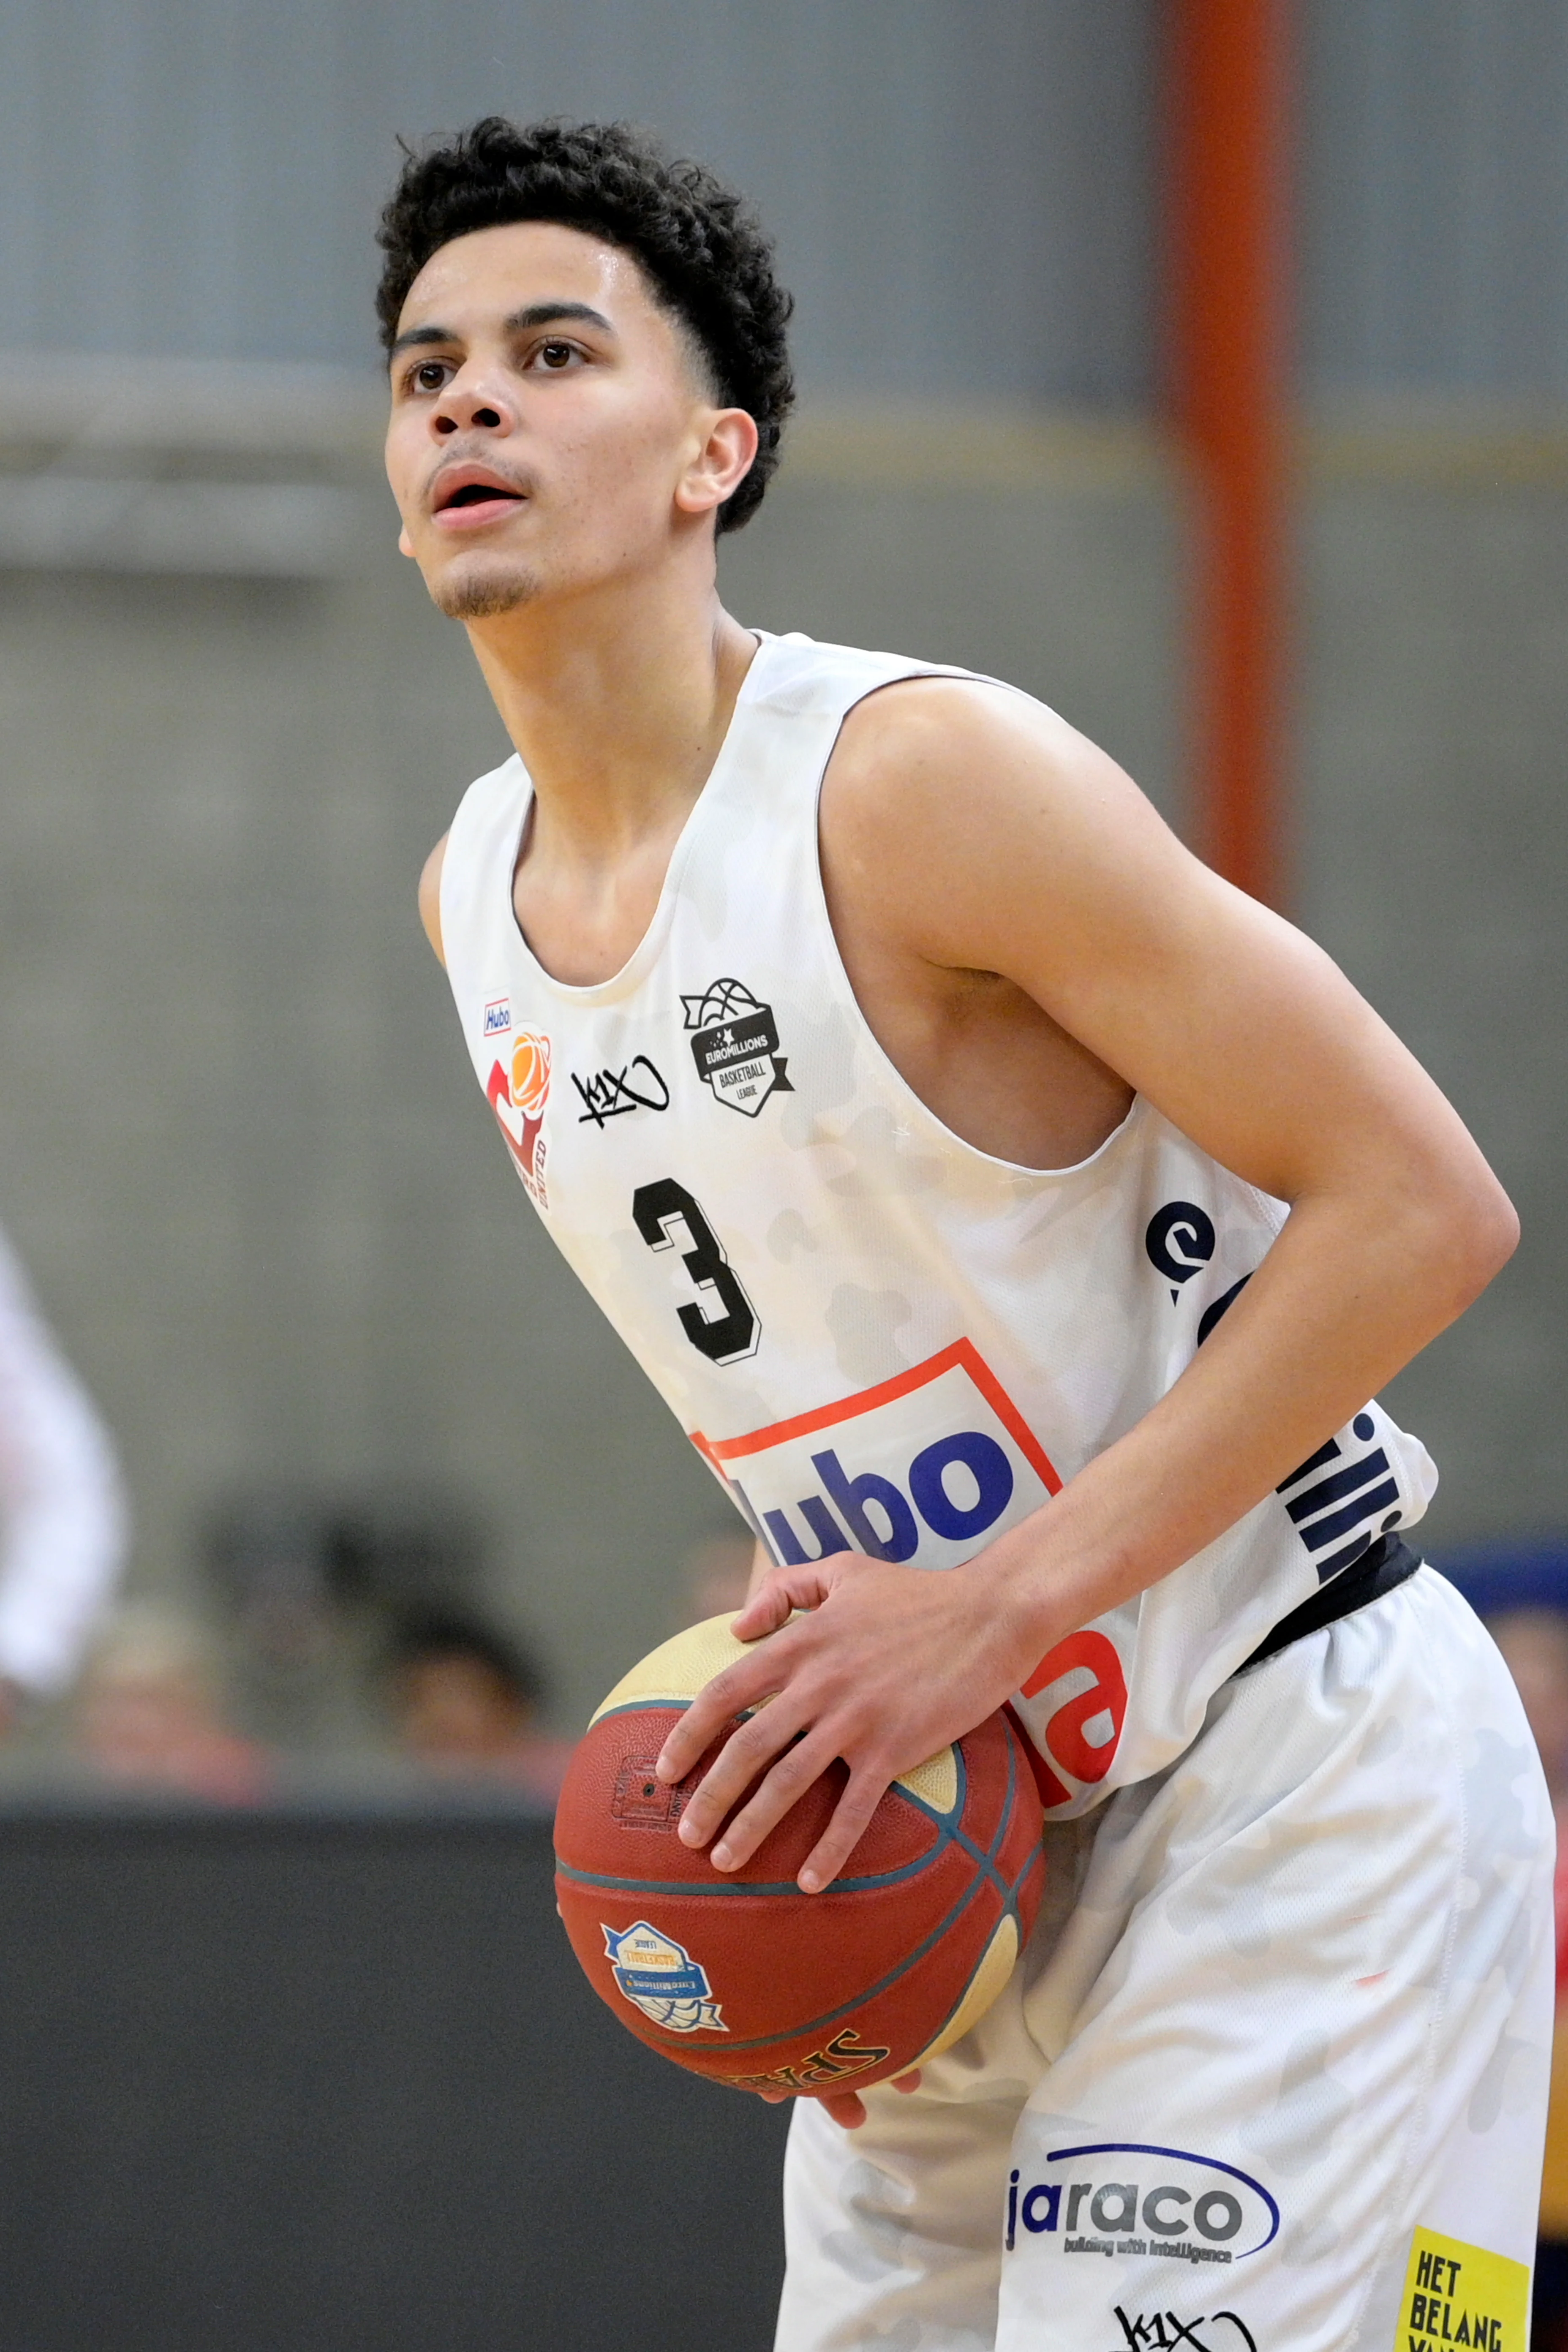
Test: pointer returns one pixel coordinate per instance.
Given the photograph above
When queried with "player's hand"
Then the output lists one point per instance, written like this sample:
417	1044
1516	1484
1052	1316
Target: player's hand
887	1667
847	2108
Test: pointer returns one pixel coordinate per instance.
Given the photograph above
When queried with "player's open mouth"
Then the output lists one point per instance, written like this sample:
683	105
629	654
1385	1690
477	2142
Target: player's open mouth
469	500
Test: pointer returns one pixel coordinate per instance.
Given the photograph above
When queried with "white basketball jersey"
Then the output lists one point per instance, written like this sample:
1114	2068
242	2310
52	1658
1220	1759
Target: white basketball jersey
879	1338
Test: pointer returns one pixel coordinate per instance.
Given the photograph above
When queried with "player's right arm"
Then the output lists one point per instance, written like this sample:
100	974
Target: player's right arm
985	836
430	897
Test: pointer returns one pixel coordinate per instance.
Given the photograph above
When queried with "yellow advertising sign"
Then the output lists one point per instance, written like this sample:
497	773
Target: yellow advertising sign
1455	2294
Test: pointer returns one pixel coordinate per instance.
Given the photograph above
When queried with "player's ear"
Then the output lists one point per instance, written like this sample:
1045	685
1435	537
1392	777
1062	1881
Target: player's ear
720	463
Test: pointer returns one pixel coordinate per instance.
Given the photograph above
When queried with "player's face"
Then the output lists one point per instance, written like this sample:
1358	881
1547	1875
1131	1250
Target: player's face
550	428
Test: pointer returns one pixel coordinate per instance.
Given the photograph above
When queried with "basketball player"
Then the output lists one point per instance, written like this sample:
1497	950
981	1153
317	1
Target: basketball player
989	1188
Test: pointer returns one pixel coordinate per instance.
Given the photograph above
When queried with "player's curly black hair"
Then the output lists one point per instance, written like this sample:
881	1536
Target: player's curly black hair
700	245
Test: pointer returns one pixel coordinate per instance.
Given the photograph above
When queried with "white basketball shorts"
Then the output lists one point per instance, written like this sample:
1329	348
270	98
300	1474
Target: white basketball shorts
1272	2070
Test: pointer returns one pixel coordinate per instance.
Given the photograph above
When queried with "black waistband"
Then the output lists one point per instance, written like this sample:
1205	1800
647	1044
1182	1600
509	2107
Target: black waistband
1384	1564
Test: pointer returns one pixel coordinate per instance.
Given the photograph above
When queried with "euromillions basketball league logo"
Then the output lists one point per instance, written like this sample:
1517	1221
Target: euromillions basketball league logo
736	1048
517	1091
659	1977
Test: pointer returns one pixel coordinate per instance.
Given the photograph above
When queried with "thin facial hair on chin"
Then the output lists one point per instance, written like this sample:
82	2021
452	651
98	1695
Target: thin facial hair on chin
482	597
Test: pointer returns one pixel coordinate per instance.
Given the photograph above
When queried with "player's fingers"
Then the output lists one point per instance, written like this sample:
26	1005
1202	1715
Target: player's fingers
744	1757
739	1687
780	1592
844	1832
907	2083
790	1778
846	2108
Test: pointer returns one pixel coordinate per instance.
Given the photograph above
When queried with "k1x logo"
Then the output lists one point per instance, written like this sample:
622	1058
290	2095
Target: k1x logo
1162	2331
610	1094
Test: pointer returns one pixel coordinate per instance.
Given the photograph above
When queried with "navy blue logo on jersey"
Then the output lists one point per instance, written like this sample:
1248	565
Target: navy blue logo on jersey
1128	2197
610	1094
736	1046
1342	1497
1180	1240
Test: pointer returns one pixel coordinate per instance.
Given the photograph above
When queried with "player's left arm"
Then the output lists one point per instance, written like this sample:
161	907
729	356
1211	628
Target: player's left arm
973	831
430	898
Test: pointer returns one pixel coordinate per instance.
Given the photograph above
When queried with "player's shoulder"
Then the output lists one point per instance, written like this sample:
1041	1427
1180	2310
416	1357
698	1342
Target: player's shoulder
957	813
929	747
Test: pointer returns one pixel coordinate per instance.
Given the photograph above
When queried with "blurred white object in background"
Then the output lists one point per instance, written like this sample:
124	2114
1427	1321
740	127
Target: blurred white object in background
63	1525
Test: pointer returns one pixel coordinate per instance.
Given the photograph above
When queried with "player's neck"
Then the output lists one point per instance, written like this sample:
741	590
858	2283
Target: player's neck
617	700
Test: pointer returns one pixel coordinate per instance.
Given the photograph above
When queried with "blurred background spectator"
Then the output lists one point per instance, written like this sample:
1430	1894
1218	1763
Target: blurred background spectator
62	1511
465	1704
150	1713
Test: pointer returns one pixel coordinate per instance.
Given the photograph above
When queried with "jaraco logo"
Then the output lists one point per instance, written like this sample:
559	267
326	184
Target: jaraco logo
1125	2197
926	1467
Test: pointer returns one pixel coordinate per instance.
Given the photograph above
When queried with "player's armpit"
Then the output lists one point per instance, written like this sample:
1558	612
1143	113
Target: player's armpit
430	897
984	834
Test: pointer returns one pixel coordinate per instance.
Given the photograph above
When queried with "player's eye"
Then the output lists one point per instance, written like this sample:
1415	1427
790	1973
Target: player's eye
429	375
557	355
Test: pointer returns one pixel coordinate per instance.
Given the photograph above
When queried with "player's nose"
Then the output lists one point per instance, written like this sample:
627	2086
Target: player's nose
472	402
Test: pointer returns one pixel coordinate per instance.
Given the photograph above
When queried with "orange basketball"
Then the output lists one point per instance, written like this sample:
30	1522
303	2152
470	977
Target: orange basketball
737	1974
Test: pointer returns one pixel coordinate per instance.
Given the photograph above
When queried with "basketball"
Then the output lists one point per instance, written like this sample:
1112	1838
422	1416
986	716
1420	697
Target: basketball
738	1975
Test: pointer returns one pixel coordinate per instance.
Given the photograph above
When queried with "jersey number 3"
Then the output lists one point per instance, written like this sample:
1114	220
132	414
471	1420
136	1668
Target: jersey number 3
721	1323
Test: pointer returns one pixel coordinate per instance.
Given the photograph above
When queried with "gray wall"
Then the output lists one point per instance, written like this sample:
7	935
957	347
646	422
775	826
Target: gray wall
1434	195
960	188
965	192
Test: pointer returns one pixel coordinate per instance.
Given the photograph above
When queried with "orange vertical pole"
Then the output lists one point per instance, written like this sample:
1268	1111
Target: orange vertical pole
1226	125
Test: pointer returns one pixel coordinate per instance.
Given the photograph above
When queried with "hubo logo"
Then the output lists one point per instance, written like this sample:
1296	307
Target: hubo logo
926	1468
1124	2197
921	1469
